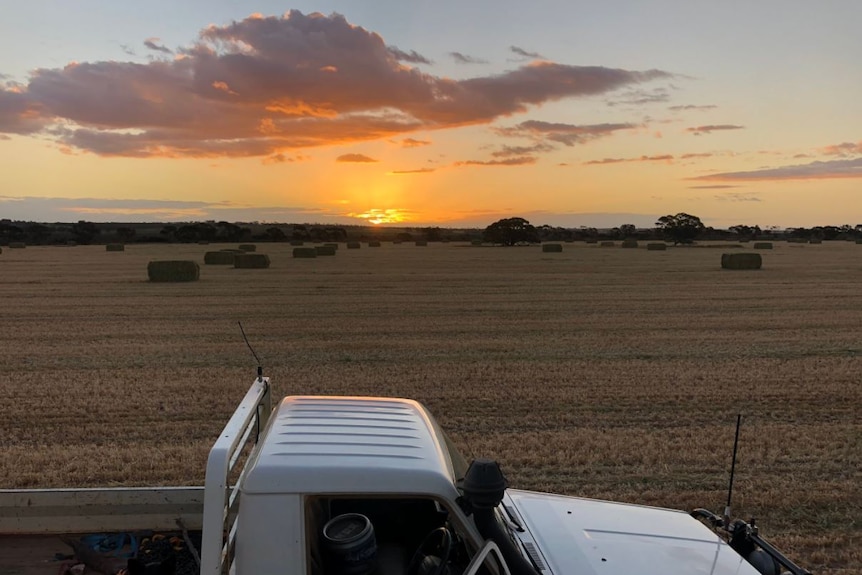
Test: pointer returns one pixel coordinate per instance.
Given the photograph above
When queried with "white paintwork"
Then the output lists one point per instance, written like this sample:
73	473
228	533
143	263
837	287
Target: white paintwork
249	417
351	445
591	537
271	536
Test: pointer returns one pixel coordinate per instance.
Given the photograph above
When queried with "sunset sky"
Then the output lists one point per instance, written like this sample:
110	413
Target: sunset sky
432	113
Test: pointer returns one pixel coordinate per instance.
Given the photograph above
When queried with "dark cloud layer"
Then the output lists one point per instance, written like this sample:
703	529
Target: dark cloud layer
461	58
358	158
264	85
698	130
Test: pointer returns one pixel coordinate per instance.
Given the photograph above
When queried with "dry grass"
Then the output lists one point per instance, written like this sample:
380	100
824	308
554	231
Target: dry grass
601	373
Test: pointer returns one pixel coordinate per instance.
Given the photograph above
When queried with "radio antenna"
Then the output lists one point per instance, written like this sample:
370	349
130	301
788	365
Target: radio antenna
732	470
259	367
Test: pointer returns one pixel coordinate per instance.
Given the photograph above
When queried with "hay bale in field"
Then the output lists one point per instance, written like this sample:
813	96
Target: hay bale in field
221	258
203	243
296	242
741	261
552	248
592	241
630	243
421	243
795	240
763	246
233	251
304	253
656	247
858	242
173	271
331	245
476	243
607	244
815	241
374	244
248	247
324	250
250	261
115	248
17	245
71	243
353	245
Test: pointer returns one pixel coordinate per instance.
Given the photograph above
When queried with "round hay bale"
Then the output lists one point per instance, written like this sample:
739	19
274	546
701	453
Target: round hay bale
173	271
476	243
353	245
656	247
304	252
763	245
220	258
552	248
17	245
374	244
324	250
203	243
331	245
858	242
607	244
630	243
115	248
296	242
248	247
397	242
251	261
741	261
421	243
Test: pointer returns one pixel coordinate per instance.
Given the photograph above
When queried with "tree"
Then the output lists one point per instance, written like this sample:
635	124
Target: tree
84	232
126	234
681	228
628	231
511	231
275	234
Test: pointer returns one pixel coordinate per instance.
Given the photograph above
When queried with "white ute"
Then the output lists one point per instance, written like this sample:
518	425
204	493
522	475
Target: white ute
372	486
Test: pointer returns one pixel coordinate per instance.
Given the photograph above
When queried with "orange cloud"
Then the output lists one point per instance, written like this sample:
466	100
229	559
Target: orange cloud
844	149
521	161
212	99
413	143
416	171
664	157
360	158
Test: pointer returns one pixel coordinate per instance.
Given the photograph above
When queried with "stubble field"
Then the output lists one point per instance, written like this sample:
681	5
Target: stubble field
600	372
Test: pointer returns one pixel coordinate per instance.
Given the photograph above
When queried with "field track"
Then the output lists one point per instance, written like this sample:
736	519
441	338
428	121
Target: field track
601	372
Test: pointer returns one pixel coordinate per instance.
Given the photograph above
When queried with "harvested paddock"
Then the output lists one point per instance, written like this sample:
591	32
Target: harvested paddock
248	247
604	374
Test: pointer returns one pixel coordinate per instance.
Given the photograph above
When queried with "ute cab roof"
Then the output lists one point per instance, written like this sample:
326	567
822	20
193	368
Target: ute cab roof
351	445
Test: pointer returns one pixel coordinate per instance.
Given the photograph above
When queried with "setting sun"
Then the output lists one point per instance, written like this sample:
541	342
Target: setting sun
382	216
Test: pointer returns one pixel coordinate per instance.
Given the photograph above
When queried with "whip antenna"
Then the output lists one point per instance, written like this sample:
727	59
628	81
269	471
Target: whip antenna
260	368
732	470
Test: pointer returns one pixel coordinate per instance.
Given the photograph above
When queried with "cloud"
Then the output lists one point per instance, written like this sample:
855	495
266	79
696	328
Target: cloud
518	161
153	44
700	155
416	171
412	56
510	151
844	149
640	97
281	159
360	158
128	50
465	59
567	134
413	143
813	171
294	81
736	197
661	158
713	128
713	187
692	107
524	53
